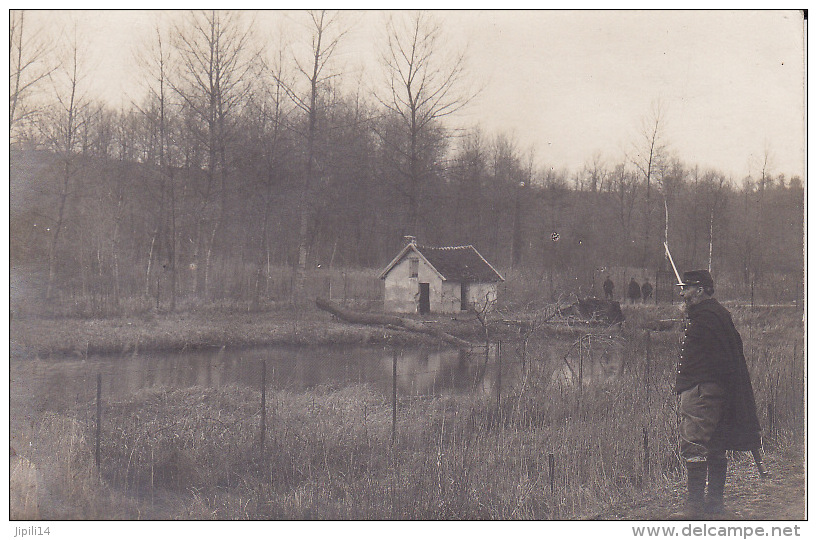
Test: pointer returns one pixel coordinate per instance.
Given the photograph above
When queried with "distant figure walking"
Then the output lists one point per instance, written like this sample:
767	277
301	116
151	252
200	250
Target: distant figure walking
608	288
634	291
646	291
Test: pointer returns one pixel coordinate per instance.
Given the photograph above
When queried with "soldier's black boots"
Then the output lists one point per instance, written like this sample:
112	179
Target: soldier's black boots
696	485
714	490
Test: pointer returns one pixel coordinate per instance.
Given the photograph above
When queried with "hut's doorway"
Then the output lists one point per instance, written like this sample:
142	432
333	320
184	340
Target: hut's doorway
425	300
463	296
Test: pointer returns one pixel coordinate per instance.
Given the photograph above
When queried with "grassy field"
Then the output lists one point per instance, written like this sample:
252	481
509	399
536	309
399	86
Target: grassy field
552	449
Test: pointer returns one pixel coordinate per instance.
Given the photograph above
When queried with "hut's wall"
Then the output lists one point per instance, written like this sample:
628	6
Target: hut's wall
479	293
402	292
449	300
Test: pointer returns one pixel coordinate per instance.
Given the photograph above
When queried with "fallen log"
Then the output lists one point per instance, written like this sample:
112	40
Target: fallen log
380	319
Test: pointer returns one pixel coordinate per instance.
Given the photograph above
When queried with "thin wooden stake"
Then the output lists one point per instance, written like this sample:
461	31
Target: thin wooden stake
394	398
98	416
770	414
581	372
263	405
498	378
551	471
647	370
646	454
753	294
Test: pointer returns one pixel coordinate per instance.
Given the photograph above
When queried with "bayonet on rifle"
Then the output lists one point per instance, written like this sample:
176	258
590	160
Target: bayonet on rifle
669	256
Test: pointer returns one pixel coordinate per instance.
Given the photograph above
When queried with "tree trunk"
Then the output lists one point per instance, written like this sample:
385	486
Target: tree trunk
172	253
308	182
150	261
52	251
390	321
516	243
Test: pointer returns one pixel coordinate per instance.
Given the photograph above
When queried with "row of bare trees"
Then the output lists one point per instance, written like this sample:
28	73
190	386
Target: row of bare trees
240	159
207	77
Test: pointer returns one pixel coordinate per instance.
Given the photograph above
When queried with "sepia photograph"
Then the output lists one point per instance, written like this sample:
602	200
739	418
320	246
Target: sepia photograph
360	266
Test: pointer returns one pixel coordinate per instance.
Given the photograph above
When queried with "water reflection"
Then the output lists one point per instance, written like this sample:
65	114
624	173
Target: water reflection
58	384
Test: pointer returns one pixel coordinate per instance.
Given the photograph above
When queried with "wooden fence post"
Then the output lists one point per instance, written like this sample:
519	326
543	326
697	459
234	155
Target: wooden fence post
98	417
498	378
797	302
551	471
263	405
753	294
394	397
646	453
647	369
770	414
751	322
581	373
798	387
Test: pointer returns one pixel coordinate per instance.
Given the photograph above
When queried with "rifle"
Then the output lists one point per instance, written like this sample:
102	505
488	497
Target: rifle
669	256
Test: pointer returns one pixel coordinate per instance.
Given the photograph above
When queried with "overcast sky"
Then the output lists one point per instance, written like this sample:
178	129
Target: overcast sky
575	83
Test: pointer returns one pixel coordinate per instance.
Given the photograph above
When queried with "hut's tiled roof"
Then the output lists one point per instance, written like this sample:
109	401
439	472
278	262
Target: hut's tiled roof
460	263
455	263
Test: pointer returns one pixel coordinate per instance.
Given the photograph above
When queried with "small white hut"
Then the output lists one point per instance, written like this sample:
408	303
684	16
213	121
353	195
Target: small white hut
422	279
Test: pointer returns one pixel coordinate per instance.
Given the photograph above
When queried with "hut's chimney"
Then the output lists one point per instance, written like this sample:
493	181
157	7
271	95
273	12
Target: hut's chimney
410	240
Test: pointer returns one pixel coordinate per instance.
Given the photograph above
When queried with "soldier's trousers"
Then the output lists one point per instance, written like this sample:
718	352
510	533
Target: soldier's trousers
702	408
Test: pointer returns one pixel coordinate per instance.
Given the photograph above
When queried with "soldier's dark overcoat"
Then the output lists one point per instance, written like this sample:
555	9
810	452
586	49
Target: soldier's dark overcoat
712	351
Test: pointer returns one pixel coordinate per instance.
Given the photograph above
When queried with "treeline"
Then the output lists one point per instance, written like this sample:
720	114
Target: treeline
234	166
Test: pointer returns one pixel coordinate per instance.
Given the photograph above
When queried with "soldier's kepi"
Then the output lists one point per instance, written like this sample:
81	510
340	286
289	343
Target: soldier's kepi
717	409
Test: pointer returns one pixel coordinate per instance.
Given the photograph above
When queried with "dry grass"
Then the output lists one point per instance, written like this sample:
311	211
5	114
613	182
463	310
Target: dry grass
195	453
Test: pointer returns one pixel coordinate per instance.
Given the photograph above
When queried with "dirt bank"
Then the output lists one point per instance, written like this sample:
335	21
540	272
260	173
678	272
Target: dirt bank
216	328
194	330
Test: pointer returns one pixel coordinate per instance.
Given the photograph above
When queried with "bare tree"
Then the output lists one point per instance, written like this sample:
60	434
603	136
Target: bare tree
326	35
647	156
715	187
596	172
625	187
670	178
508	174
217	67
155	60
28	68
269	116
763	165
469	173
520	189
424	85
61	128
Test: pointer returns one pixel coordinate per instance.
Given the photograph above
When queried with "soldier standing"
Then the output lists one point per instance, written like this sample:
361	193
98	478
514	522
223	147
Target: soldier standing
717	402
646	291
633	291
608	288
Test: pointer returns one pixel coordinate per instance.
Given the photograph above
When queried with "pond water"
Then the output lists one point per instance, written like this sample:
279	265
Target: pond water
43	385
